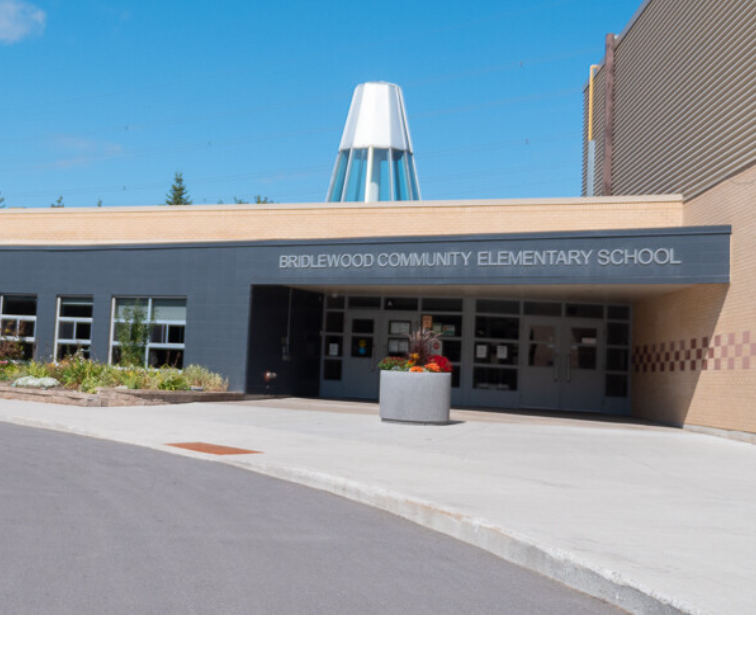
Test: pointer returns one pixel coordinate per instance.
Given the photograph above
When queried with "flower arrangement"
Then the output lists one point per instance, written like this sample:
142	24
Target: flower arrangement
420	358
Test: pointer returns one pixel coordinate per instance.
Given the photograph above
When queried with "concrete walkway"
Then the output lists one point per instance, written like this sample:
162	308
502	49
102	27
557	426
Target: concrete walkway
652	519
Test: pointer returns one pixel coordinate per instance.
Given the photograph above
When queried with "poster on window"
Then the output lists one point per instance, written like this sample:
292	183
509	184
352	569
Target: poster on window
398	346
399	327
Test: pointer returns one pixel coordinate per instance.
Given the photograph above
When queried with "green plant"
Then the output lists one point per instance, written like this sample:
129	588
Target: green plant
133	333
86	375
393	364
9	371
37	369
197	376
171	379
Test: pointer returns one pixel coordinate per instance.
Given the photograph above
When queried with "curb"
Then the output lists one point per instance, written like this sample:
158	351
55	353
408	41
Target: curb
554	563
611	587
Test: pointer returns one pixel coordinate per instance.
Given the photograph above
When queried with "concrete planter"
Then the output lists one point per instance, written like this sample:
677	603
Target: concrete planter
422	398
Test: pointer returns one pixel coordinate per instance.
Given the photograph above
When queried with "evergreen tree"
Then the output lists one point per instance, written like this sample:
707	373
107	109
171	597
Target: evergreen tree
258	200
178	195
58	203
2	201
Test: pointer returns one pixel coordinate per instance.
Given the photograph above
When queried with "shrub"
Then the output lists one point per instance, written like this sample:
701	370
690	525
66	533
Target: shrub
11	350
198	376
171	379
9	371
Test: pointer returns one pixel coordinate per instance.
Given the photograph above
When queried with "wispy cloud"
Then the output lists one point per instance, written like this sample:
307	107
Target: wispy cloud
19	20
83	151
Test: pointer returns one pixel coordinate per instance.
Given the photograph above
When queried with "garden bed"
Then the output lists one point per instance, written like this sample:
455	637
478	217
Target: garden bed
114	397
82	382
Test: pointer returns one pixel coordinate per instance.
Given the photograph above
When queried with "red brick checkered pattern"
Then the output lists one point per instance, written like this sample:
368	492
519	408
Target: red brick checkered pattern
722	352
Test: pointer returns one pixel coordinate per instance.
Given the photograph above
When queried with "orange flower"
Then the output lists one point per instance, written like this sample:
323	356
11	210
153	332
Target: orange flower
417	369
433	367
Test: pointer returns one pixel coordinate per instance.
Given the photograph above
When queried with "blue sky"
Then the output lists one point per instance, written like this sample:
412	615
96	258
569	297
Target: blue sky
106	100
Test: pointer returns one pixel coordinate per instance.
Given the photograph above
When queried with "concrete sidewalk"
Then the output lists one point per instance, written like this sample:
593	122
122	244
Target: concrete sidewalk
652	519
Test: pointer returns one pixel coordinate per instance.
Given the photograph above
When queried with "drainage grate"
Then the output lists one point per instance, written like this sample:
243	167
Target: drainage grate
214	449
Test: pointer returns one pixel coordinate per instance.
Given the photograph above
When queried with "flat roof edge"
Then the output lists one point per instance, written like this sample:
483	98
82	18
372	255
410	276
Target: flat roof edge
387	205
721	229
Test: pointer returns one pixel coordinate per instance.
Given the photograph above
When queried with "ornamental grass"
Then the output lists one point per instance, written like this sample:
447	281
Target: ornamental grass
85	375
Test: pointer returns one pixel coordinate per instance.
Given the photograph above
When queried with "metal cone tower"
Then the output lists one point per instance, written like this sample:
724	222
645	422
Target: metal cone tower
375	161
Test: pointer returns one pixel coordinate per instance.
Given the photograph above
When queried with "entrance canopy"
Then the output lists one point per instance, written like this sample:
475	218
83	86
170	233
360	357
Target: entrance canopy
679	256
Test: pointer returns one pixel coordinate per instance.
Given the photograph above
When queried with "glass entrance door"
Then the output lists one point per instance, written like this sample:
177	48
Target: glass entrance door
562	368
371	336
582	385
360	355
540	384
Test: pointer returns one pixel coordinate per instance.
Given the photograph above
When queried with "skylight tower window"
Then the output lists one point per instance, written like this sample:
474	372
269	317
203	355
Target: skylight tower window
375	161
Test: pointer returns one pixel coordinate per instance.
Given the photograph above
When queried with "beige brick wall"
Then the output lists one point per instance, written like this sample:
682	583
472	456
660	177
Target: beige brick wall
714	384
96	226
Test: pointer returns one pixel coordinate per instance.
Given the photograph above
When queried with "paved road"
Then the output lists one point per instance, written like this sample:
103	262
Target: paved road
89	526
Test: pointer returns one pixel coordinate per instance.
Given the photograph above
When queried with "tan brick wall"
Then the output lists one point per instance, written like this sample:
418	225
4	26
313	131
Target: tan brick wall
711	384
96	226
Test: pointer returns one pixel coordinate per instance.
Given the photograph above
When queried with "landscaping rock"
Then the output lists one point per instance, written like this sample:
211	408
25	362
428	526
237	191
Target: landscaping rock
39	383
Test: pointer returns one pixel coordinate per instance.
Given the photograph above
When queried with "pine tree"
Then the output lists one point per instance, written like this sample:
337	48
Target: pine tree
178	195
2	201
58	203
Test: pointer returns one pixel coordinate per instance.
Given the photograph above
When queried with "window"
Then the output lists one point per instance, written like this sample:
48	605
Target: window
401	187
333	337
73	333
18	322
497	345
166	332
338	181
355	186
380	183
618	352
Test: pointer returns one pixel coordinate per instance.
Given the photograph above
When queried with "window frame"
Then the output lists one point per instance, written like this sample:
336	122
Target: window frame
83	344
32	340
151	345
